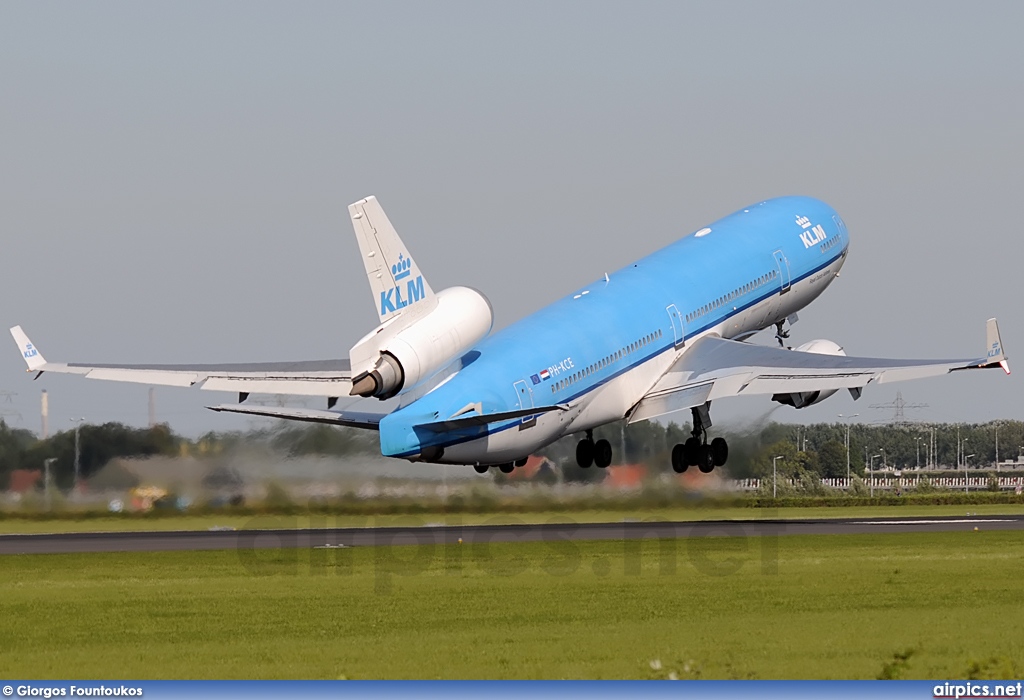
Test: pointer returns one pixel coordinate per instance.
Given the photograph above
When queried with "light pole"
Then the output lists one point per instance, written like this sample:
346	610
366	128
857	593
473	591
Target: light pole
967	484
884	465
997	445
78	424
46	471
930	452
847	419
871	473
775	478
917	449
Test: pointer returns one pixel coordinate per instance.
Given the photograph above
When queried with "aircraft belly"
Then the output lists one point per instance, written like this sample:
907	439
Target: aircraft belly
611	401
511	443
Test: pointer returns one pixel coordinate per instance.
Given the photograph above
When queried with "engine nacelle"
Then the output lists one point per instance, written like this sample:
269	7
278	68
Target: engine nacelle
411	347
804	399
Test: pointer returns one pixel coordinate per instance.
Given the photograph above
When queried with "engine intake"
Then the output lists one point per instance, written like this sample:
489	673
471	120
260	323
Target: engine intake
401	353
803	399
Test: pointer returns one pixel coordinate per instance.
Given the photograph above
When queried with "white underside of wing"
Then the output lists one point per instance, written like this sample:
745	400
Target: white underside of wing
352	419
715	368
325	383
306	385
138	376
330	378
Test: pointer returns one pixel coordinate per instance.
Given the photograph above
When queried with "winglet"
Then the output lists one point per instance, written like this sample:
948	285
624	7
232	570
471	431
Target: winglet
33	358
395	278
994	346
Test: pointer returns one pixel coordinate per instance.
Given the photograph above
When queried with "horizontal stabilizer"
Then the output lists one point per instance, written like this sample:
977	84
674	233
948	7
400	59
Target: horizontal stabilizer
445	426
351	419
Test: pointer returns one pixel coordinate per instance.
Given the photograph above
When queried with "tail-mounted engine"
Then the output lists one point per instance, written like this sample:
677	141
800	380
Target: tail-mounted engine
804	399
416	344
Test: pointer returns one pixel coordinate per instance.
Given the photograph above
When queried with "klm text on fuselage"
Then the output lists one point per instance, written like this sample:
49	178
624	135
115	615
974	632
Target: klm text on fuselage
392	300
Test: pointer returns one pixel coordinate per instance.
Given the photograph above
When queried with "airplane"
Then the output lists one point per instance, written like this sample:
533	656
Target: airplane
666	333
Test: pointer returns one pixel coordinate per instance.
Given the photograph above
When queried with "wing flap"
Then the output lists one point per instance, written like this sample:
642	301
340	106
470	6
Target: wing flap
670	401
351	419
300	385
139	376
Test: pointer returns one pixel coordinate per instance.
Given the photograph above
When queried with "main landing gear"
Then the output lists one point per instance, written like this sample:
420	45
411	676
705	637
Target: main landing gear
696	451
597	453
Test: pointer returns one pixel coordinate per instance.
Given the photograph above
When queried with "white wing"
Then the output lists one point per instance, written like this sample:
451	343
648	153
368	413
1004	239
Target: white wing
716	368
351	419
330	378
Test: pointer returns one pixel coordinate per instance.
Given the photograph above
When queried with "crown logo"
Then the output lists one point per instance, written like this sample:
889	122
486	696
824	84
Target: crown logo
401	269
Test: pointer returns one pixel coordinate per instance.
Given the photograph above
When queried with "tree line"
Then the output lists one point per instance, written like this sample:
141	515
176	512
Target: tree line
98	444
818	450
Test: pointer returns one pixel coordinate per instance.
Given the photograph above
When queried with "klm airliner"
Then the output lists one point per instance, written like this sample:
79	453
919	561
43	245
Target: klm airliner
667	333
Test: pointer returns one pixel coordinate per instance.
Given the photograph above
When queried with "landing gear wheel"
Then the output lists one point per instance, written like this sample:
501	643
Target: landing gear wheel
585	453
690	449
506	468
521	462
602	453
480	468
705	460
719	451
679	464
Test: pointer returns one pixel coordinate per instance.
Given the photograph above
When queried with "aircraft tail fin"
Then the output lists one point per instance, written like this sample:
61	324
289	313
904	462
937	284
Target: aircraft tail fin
395	278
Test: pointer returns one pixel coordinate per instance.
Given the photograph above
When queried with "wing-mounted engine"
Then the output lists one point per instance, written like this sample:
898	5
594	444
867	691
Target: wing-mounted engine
417	343
804	399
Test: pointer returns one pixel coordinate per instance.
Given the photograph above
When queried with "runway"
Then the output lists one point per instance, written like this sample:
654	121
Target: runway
561	528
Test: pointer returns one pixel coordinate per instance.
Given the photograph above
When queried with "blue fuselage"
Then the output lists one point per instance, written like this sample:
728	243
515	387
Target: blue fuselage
734	277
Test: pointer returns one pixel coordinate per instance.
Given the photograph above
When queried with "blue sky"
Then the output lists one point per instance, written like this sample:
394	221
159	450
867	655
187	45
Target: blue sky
174	175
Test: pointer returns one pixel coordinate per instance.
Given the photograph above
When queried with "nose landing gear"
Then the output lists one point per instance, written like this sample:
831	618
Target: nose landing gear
696	451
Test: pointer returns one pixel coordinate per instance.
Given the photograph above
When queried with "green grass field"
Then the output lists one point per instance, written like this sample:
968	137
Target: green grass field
847	606
16	525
